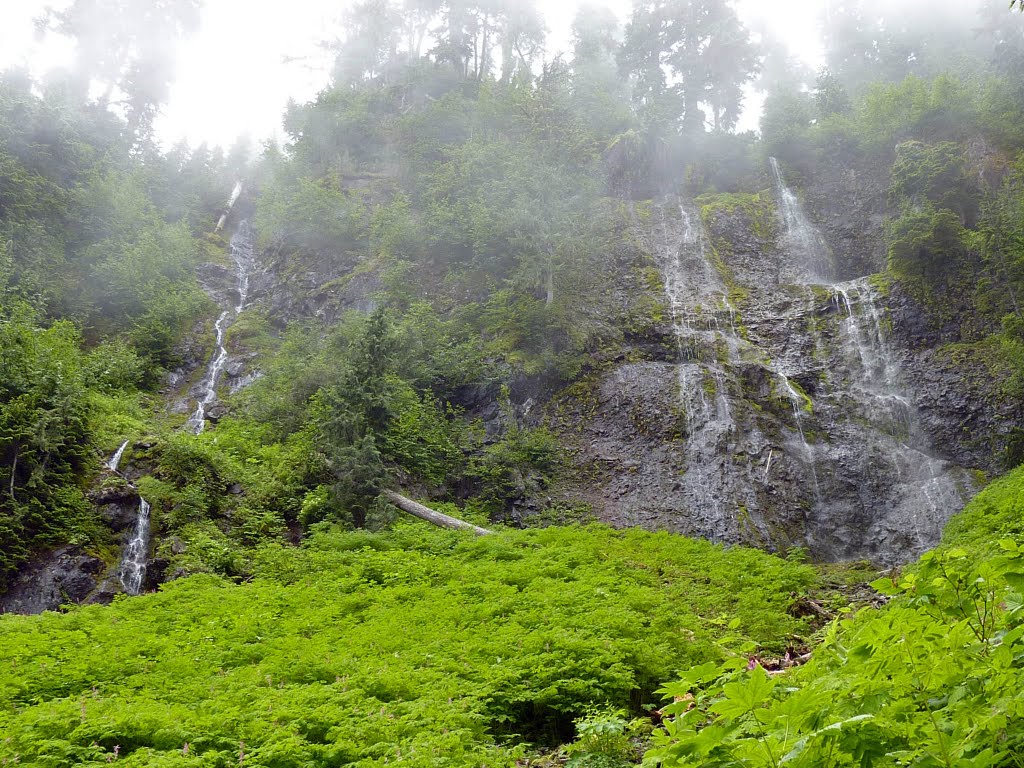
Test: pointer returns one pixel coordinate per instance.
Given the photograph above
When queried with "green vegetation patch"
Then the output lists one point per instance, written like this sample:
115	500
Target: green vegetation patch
758	209
418	647
933	678
994	514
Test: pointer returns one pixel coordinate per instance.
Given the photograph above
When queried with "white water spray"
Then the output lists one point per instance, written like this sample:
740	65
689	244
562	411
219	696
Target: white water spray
869	395
242	255
802	238
704	326
115	460
133	562
231	204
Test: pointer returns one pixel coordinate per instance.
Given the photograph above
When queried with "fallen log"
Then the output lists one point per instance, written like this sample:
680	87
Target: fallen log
431	516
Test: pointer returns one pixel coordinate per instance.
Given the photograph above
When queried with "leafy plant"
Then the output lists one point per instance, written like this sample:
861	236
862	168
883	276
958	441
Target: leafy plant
934	678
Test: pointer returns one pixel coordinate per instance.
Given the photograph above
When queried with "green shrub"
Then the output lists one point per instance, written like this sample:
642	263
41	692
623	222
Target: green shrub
419	646
933	678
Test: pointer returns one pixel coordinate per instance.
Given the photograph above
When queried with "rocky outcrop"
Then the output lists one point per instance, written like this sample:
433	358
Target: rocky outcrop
314	286
70	575
65	575
787	416
961	388
116	503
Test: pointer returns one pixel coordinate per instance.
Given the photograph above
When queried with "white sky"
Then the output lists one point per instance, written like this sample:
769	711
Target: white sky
232	78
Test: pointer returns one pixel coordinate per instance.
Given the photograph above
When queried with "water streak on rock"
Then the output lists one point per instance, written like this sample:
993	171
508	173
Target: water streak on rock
242	254
115	460
133	562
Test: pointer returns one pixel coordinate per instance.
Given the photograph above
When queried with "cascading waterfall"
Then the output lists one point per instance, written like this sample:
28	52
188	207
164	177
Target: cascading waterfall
115	461
931	489
867	350
235	193
801	237
132	569
242	255
197	422
242	250
787	423
869	405
133	562
703	321
707	341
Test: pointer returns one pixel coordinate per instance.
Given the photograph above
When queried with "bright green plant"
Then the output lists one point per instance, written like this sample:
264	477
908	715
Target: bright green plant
605	739
933	679
418	647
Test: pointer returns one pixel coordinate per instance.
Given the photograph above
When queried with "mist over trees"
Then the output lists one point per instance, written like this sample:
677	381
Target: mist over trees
447	234
476	172
125	50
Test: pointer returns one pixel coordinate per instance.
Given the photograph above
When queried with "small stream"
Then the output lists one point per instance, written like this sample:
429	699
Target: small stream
242	255
133	561
132	570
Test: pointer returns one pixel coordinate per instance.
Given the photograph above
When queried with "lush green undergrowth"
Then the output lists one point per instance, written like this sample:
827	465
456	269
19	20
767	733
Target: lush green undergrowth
935	678
418	647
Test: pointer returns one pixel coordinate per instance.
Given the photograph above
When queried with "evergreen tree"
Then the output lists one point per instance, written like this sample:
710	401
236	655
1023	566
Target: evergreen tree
708	55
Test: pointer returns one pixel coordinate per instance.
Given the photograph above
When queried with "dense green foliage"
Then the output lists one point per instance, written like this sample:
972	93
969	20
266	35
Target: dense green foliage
43	428
96	292
935	678
417	647
450	231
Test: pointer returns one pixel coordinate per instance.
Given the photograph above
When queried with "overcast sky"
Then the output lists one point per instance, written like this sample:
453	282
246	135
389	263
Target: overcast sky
232	77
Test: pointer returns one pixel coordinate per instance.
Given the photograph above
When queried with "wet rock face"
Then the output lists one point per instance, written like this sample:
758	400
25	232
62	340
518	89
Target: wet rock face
846	195
219	282
65	575
790	414
323	289
634	456
960	398
117	505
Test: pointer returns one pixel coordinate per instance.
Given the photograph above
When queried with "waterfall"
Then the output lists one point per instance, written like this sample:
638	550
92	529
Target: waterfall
132	569
234	194
197	422
242	254
869	410
231	204
787	420
703	323
801	237
115	460
799	402
133	562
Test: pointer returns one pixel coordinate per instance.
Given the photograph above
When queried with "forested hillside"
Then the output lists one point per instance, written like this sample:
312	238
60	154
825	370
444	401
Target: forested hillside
553	293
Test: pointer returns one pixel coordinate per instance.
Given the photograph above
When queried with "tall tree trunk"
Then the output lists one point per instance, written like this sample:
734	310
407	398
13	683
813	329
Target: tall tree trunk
549	282
14	470
484	53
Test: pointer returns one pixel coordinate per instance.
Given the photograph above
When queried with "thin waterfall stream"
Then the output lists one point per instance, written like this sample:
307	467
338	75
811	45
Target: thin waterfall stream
242	254
132	570
703	323
801	238
133	561
114	462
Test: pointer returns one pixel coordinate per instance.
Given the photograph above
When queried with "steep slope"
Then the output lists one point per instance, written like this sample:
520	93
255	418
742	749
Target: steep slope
785	417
